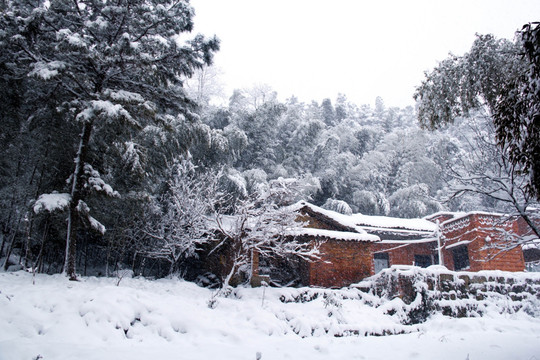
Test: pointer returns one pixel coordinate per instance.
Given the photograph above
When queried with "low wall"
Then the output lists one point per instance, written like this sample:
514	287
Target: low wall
423	292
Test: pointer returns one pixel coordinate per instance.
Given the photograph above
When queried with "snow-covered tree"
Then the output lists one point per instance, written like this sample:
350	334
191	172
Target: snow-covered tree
370	202
500	78
115	71
178	225
484	170
339	206
205	86
517	114
413	202
328	112
261	227
260	127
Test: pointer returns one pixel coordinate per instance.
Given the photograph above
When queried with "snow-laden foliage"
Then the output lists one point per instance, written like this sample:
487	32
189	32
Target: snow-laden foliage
259	226
339	206
51	202
499	76
106	69
180	221
94	105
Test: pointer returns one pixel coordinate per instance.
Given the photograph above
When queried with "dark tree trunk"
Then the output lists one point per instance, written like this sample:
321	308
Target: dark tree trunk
74	218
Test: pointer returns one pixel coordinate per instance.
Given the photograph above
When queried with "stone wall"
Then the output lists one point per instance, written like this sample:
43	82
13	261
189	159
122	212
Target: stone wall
437	290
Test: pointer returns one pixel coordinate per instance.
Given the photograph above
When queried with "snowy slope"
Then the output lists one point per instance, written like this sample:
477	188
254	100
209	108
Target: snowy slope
170	319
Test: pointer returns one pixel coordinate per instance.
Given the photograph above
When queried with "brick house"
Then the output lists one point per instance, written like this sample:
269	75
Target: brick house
353	247
469	241
346	254
479	241
403	241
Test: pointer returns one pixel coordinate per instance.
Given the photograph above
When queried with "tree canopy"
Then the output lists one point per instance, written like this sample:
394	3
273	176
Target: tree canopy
112	70
498	76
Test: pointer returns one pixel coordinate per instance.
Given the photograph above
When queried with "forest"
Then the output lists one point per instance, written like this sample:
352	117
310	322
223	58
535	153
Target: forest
114	156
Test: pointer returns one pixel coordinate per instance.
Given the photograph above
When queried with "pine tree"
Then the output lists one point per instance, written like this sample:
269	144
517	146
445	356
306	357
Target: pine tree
115	71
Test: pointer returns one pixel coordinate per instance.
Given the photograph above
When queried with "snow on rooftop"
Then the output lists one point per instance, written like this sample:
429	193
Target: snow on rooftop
338	235
386	222
461	215
345	220
453	214
359	222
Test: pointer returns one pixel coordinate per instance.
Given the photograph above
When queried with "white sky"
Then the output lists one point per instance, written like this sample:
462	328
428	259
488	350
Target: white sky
315	49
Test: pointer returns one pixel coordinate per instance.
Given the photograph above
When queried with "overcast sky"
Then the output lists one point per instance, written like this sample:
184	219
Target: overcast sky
316	49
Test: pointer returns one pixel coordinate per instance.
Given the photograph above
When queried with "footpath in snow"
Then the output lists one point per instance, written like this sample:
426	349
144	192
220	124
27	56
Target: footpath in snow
49	317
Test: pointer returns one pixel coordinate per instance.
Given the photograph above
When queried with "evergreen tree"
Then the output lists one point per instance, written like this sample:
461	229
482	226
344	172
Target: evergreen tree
328	112
517	114
500	77
115	71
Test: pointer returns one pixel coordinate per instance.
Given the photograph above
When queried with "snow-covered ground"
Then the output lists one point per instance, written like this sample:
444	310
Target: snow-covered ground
170	319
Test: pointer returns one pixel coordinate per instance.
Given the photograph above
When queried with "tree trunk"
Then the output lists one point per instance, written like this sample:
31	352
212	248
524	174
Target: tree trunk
76	196
3	243
11	244
39	260
28	241
8	253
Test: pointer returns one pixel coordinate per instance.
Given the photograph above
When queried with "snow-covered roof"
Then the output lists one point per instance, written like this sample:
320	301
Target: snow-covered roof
392	223
462	215
381	227
451	214
337	235
409	241
360	222
344	220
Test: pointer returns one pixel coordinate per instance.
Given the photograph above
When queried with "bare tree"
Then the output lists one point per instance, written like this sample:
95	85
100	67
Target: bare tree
181	216
205	85
485	169
260	227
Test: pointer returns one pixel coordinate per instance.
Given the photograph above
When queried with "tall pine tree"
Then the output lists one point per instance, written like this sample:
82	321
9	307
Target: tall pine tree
112	69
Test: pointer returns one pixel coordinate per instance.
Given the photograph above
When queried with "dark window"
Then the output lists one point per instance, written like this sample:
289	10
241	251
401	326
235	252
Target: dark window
422	260
461	257
380	261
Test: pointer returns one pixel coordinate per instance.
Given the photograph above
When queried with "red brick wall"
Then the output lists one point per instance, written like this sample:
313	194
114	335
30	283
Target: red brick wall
404	255
483	254
523	228
342	263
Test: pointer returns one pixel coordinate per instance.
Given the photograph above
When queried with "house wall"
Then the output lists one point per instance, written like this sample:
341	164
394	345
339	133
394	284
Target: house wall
486	234
342	263
399	254
524	229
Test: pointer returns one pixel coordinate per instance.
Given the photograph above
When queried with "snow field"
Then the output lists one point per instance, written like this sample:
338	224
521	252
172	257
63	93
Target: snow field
170	319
